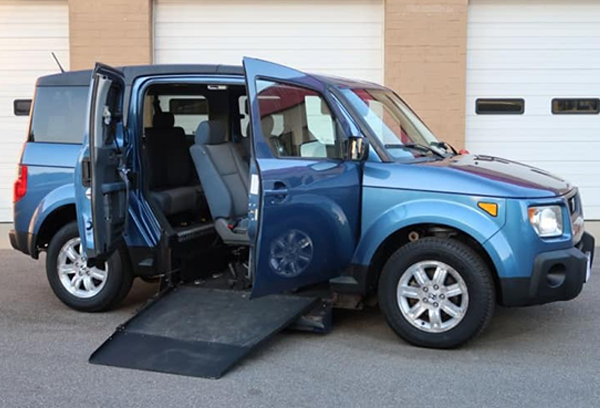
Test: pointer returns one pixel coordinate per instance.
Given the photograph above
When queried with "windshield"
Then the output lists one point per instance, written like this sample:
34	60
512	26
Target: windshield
403	134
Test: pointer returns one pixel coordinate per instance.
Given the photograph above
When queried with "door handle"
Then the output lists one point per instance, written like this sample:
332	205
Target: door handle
279	191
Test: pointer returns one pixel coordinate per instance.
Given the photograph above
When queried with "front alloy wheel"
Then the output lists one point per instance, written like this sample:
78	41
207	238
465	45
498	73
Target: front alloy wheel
432	296
436	292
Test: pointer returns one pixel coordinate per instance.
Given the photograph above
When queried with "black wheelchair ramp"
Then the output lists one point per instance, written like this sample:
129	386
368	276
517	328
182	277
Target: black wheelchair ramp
199	332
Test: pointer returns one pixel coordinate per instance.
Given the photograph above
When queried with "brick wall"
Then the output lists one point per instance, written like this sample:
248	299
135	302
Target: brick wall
425	61
116	32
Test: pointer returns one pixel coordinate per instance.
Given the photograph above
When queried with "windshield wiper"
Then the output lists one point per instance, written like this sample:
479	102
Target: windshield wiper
446	146
415	146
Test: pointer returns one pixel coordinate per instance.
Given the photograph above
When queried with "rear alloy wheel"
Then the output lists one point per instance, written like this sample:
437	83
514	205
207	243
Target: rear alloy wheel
76	277
82	287
436	292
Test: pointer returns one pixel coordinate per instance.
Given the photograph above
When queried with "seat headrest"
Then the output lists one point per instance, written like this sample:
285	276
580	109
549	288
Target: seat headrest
163	120
211	132
267	124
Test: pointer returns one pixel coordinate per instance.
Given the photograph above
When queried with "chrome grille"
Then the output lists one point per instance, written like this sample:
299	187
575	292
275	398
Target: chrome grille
573	204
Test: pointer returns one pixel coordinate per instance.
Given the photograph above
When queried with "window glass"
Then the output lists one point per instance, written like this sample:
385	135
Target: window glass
196	106
59	114
188	110
21	107
566	106
297	122
500	106
394	124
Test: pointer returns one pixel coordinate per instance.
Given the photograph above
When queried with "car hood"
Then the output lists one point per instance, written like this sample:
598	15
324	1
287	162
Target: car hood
468	174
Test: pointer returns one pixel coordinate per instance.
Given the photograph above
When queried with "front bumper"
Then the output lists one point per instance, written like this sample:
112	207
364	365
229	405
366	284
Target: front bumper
557	275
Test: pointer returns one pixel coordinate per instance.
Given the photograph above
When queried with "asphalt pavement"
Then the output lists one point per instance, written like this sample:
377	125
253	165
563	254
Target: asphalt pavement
544	356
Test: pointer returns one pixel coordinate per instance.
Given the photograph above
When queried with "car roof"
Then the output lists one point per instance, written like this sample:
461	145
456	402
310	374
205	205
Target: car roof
82	78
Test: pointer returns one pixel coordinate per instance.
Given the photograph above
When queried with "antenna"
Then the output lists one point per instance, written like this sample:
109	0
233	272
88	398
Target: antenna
57	61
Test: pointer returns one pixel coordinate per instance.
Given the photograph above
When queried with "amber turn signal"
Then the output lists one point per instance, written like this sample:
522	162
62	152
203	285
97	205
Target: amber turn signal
490	208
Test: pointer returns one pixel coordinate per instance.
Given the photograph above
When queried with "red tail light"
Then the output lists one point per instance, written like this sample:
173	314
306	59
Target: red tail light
20	188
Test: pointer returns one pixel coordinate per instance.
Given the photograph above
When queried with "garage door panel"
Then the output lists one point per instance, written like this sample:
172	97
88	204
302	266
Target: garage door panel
279	43
37	44
530	76
351	11
29	32
534	106
32	31
493	11
551	135
546	30
554	89
23	60
536	43
530	151
523	59
315	59
287	30
333	36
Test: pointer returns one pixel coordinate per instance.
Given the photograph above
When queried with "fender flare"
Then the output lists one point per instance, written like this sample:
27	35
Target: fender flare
460	216
57	198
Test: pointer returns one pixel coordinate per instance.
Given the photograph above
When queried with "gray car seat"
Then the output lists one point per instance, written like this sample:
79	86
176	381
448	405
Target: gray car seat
224	178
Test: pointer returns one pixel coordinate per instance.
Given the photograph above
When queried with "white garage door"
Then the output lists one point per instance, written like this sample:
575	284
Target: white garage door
341	37
29	31
538	51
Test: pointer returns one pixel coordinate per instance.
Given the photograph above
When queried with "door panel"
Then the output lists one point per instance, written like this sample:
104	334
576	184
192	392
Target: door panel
309	196
101	186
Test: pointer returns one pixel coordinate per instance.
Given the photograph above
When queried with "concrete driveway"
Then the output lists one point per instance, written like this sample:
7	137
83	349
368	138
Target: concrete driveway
546	356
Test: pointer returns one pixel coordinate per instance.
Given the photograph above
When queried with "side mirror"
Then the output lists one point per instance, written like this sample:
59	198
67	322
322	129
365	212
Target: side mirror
358	148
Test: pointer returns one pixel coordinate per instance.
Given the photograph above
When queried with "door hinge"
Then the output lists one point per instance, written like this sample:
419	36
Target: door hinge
86	172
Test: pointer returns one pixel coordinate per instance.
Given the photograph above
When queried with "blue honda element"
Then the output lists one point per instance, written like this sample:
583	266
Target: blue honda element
267	180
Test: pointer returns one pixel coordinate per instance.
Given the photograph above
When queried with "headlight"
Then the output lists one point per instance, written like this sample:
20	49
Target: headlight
546	221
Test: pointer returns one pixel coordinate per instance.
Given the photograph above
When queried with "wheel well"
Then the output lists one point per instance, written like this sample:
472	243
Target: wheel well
54	222
411	233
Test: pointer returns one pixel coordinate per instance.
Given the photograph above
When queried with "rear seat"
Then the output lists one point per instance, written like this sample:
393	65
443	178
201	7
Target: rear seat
173	184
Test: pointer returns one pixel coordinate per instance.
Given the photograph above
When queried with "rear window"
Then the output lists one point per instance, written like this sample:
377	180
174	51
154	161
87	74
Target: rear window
59	114
189	106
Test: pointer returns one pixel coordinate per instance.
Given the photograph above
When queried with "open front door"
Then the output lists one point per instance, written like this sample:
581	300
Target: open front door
306	194
101	185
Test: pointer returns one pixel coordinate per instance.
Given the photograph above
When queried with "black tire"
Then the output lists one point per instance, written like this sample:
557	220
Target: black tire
118	281
471	268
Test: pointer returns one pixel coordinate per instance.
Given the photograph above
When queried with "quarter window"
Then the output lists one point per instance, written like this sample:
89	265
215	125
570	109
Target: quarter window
578	106
59	114
499	106
297	122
